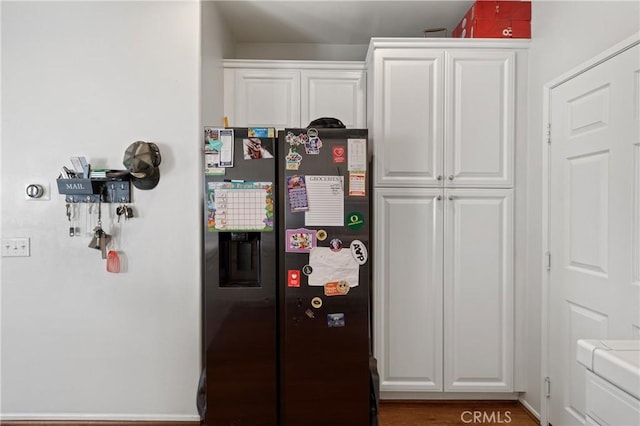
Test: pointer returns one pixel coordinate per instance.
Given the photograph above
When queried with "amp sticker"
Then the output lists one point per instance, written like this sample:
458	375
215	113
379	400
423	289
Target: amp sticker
359	252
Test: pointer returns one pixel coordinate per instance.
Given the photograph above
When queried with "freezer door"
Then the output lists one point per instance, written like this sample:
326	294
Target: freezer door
240	295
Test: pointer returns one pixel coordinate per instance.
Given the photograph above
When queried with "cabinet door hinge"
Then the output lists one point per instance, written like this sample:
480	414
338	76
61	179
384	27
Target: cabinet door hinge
549	133
547	387
547	260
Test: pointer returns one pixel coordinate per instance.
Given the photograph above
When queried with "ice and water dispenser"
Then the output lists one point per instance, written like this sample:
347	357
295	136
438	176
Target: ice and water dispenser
239	259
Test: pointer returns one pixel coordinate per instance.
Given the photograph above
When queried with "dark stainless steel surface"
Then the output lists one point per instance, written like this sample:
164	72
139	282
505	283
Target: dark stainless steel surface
240	323
325	370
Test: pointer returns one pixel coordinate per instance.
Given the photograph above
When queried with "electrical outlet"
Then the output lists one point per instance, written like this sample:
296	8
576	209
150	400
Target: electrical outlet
12	247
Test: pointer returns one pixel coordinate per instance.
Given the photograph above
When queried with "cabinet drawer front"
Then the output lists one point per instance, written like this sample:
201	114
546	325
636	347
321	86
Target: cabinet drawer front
408	117
480	132
609	405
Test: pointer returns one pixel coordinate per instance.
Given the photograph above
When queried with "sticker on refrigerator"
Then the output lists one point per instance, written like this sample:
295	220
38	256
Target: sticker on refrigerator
293	278
357	184
293	160
297	190
295	140
335	320
300	240
313	143
339	154
355	220
335	244
359	252
261	132
240	206
336	288
310	313
357	155
257	149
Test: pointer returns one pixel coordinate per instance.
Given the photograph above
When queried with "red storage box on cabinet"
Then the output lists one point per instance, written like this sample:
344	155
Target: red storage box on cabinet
496	19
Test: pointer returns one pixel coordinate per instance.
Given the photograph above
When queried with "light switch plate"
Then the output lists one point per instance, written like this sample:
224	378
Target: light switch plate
16	247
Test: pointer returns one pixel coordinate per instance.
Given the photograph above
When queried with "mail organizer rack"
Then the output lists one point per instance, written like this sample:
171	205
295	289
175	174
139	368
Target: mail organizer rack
106	190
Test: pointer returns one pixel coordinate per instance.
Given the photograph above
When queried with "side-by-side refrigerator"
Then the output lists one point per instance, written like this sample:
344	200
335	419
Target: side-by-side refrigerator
286	287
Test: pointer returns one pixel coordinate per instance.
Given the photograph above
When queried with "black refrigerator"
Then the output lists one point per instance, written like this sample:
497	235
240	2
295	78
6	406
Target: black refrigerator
286	280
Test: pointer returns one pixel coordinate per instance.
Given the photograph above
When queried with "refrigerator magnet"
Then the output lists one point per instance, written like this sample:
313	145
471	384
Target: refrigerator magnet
307	270
310	313
359	252
335	244
335	320
321	234
300	240
316	302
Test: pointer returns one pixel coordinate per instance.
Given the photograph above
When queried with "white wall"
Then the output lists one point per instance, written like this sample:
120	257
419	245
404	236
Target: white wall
217	44
91	78
301	51
564	35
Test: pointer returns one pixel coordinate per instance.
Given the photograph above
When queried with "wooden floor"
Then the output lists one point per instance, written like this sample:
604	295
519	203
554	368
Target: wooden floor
436	413
391	413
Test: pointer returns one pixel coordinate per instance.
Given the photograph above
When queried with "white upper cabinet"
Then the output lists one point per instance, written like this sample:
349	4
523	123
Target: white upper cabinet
333	93
293	93
262	98
479	118
408	116
442	114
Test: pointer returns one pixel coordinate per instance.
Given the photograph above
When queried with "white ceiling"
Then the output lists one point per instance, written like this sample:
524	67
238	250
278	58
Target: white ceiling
337	22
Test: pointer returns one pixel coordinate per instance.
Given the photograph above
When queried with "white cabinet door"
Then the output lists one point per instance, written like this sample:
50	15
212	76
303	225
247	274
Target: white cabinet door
408	117
262	98
333	93
480	96
478	290
408	288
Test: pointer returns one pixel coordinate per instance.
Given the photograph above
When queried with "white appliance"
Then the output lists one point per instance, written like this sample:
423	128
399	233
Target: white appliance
612	381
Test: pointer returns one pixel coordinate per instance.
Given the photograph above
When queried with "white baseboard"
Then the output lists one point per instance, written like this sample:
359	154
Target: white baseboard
529	408
75	417
390	395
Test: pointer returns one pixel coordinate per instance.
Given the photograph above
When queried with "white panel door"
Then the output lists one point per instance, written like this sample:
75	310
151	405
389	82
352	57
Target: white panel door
479	120
333	93
408	289
408	117
593	281
478	290
267	98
